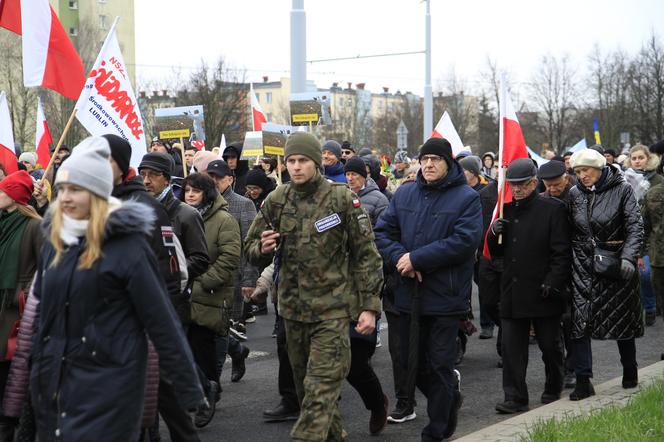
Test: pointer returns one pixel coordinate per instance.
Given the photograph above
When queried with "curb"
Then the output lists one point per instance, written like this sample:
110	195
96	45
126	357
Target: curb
608	393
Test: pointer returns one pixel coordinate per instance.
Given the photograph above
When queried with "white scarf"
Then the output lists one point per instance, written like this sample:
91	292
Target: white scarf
72	229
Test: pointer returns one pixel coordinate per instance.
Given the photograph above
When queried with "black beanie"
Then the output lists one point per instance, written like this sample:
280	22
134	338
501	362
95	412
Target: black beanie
437	146
120	151
159	162
356	164
257	177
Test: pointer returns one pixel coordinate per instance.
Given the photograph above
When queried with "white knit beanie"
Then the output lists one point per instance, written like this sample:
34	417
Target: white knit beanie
587	158
89	167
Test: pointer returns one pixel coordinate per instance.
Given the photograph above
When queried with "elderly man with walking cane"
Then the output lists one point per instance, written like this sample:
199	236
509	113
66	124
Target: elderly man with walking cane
429	234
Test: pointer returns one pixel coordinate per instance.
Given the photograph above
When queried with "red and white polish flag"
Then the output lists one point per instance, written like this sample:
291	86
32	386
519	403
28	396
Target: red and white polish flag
43	139
7	153
511	146
257	115
445	129
49	57
108	104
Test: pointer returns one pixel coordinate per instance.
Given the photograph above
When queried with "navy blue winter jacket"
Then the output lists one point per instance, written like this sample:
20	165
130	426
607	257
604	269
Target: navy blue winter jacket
441	226
335	173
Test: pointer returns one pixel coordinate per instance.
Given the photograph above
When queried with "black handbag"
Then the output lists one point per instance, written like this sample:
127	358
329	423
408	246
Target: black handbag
606	262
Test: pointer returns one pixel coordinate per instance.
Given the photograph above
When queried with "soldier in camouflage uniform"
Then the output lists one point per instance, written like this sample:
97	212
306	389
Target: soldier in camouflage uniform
652	209
329	272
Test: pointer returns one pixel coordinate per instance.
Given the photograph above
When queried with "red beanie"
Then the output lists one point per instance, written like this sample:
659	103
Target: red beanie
18	186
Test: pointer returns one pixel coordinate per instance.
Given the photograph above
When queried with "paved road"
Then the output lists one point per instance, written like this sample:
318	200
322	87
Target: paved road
238	415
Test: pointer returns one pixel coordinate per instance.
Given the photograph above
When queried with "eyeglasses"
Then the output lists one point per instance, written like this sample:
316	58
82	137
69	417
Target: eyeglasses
346	152
435	159
150	174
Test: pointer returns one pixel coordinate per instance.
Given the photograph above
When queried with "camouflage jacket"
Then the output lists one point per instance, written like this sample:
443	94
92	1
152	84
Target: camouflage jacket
329	267
652	209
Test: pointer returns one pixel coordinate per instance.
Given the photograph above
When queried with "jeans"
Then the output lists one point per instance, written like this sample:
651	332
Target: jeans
226	345
435	374
583	355
647	294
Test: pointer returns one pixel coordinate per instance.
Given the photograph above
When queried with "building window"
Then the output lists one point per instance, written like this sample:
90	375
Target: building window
341	102
268	97
268	116
103	22
73	32
73	4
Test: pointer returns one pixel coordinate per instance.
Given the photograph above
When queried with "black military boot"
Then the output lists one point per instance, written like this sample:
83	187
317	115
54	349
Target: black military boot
584	389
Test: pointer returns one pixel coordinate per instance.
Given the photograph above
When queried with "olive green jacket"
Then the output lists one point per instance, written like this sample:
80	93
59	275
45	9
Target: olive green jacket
652	209
212	295
329	267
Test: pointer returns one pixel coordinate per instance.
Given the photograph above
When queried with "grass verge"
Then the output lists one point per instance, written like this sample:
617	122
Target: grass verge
642	419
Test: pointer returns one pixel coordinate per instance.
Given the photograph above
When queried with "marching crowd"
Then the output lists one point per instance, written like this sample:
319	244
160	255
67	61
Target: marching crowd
123	290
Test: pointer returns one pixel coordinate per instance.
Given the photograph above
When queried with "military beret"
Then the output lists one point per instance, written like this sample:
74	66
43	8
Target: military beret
521	169
550	170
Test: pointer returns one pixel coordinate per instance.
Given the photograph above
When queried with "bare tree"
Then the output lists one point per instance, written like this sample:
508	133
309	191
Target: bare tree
555	94
609	94
647	91
22	101
222	91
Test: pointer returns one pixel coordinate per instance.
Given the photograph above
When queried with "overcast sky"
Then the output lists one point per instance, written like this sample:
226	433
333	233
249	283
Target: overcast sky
254	35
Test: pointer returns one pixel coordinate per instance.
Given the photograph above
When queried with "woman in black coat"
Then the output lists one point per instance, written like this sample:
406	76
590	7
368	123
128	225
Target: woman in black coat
101	297
605	217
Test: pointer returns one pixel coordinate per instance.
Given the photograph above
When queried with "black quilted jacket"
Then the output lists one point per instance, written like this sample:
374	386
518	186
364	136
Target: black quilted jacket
605	308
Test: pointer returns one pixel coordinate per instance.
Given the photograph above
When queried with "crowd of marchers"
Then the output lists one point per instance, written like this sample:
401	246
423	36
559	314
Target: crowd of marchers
123	290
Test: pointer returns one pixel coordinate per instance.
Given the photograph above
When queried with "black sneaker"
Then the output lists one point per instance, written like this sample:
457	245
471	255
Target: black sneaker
402	413
205	414
454	411
238	366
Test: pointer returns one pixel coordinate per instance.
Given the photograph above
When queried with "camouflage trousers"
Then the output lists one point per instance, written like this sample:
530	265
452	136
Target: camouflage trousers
320	356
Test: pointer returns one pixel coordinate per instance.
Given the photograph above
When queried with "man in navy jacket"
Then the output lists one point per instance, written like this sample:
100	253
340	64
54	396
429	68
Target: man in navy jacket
430	234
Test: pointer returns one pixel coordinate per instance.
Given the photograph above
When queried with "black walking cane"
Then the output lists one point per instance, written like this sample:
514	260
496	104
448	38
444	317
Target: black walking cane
413	342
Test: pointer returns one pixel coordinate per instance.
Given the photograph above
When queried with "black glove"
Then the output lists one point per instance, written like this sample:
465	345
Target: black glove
627	269
499	226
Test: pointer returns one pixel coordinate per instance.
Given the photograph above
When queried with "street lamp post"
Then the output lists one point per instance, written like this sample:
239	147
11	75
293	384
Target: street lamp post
428	93
298	46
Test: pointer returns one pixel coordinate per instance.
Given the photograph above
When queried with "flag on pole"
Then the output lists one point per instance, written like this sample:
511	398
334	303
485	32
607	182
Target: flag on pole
598	140
49	57
445	129
107	104
7	153
257	115
578	146
511	146
222	146
43	139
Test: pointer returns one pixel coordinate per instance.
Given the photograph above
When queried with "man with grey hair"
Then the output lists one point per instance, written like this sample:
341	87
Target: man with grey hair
537	253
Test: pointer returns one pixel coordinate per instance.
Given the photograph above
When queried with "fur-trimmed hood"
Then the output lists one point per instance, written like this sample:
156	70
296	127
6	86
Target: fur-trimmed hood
653	162
124	218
